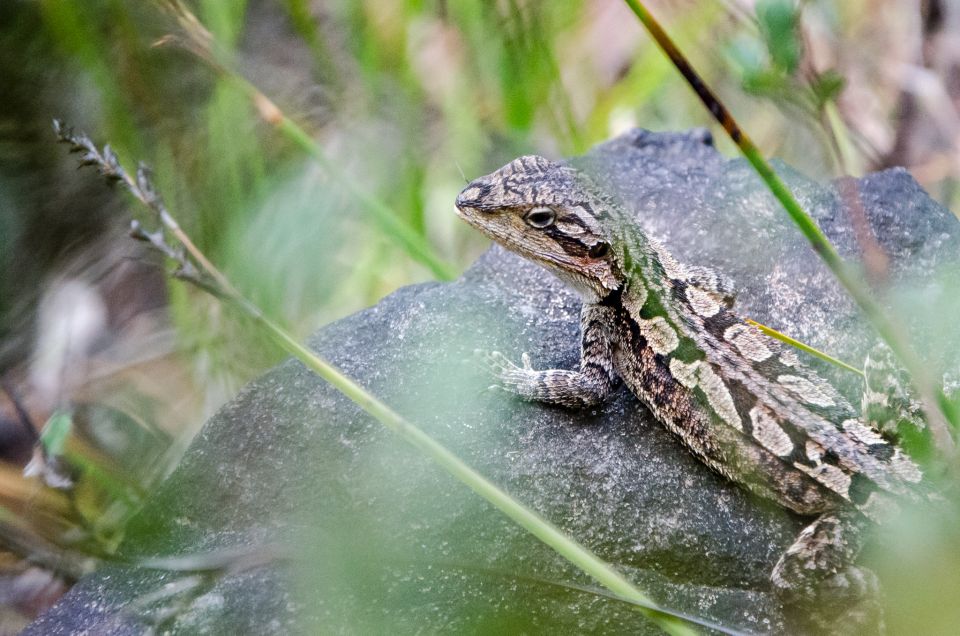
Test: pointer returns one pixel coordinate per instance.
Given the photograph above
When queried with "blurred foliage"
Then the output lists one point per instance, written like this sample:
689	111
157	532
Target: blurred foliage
405	99
774	72
406	96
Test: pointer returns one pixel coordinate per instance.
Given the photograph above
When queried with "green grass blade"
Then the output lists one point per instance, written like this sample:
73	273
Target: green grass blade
198	269
782	337
536	525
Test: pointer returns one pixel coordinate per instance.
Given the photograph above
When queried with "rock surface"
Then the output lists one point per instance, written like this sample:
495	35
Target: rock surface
380	539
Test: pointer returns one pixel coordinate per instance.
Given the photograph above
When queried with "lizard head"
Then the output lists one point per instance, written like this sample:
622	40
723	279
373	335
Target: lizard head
544	211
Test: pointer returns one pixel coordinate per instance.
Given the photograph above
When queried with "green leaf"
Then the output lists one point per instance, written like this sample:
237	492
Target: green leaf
55	432
766	83
827	86
779	20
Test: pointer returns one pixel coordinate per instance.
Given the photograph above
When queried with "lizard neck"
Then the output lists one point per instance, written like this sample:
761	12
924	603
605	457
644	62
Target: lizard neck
650	276
613	299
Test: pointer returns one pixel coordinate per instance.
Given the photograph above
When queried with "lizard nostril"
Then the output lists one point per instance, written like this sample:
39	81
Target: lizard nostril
473	195
468	197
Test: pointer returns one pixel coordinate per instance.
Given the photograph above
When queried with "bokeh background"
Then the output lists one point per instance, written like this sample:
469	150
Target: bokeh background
405	100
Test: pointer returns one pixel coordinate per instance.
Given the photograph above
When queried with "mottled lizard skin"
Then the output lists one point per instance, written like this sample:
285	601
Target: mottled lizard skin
744	405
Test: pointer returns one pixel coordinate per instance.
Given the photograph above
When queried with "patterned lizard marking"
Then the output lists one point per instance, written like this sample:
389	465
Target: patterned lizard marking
739	401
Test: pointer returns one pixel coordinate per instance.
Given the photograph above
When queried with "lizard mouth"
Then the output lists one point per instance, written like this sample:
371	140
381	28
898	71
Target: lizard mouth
480	220
474	216
469	215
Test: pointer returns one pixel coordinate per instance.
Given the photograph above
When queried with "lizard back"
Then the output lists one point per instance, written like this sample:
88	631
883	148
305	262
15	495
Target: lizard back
742	403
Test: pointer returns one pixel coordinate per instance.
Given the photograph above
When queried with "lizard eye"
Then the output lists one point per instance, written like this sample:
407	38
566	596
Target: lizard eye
540	218
599	250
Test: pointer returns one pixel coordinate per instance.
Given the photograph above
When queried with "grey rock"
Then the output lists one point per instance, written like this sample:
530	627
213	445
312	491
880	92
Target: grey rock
380	539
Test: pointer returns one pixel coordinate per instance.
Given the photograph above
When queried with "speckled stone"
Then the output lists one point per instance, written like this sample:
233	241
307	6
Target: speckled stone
380	539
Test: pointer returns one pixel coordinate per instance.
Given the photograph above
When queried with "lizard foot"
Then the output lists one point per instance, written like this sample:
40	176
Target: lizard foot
572	389
816	580
510	377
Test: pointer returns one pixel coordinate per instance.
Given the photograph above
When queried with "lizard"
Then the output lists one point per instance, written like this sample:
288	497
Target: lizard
738	400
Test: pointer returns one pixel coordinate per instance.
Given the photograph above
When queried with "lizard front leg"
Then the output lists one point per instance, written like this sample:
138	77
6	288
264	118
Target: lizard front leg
576	389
